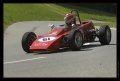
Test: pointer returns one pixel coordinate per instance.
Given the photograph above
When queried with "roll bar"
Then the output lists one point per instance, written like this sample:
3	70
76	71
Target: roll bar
77	14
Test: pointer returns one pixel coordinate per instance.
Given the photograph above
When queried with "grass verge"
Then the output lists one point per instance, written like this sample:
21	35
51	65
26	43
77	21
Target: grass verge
14	12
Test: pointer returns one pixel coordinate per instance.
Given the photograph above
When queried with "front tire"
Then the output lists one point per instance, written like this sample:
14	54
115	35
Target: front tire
75	40
27	39
104	35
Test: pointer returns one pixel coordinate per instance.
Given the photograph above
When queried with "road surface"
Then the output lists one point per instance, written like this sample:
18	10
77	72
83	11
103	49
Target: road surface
93	60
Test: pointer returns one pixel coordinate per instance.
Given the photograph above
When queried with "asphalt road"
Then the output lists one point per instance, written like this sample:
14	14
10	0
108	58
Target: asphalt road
93	60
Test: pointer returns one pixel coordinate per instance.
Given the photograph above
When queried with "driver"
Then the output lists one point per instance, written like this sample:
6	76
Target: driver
70	20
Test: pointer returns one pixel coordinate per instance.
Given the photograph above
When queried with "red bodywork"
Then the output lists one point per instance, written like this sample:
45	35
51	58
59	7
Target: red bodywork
53	38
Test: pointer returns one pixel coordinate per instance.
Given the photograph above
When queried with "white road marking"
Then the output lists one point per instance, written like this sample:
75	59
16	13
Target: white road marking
86	44
23	60
113	28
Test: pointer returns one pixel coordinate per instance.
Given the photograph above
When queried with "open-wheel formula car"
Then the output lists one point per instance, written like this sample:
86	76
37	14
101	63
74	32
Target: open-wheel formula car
60	37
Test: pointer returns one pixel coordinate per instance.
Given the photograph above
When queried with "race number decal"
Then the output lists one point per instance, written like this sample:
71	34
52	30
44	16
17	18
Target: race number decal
46	39
41	44
53	33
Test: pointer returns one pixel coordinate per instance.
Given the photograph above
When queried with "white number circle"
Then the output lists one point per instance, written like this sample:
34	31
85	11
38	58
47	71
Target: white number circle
46	39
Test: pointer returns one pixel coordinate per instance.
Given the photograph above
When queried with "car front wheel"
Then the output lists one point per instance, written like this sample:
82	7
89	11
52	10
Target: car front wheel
75	40
27	39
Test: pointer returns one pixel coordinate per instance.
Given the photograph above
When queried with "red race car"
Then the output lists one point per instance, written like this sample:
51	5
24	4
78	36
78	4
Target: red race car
61	36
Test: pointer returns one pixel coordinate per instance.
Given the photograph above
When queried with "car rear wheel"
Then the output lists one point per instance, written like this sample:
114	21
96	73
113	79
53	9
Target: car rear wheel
75	40
104	35
27	39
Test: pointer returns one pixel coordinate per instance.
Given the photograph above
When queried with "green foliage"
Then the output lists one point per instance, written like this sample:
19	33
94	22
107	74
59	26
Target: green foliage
49	12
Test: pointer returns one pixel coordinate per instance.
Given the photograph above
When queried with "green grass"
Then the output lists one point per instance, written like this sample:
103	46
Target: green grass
51	12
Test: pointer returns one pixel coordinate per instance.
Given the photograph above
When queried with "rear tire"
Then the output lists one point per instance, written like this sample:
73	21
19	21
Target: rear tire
75	40
27	39
104	35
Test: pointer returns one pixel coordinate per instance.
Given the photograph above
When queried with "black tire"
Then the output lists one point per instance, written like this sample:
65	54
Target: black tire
104	35
27	39
71	40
